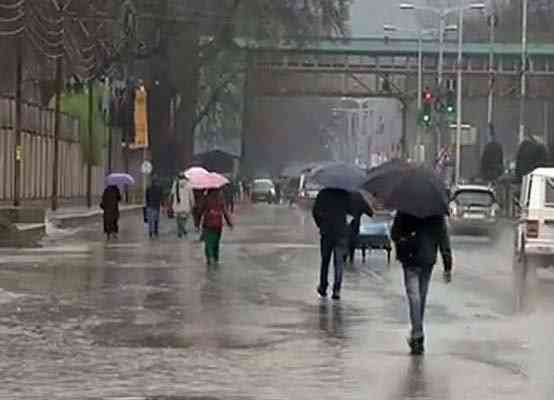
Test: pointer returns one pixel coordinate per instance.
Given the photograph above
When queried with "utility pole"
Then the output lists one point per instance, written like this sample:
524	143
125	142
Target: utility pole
419	88
90	139
523	84
57	118
492	30
18	109
459	97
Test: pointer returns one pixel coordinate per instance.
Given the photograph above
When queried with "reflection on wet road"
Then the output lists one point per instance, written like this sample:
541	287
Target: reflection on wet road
80	318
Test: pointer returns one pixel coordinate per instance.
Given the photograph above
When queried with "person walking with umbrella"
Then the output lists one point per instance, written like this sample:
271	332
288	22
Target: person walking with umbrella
182	202
419	231
212	214
110	204
330	210
329	213
358	207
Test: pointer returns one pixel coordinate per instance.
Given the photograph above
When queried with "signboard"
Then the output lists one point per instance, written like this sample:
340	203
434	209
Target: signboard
146	167
141	120
468	137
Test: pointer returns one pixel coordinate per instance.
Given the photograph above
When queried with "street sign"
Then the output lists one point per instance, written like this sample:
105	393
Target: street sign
146	168
468	137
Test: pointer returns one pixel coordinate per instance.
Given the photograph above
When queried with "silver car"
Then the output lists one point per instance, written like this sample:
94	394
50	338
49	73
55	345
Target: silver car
473	209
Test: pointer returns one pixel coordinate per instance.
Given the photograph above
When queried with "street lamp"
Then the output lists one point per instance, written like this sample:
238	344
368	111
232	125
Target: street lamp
421	34
443	13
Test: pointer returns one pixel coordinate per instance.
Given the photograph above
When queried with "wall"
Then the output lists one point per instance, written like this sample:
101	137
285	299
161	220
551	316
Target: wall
37	141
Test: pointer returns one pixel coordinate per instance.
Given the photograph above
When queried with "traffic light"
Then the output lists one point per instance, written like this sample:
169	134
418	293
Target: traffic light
451	102
427	107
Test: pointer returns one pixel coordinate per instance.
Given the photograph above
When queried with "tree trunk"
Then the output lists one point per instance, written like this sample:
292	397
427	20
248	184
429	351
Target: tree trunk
162	137
186	78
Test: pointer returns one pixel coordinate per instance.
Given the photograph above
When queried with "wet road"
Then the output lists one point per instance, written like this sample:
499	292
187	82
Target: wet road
80	318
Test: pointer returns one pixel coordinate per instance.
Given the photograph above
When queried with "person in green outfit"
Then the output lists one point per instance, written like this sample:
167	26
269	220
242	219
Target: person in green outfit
212	214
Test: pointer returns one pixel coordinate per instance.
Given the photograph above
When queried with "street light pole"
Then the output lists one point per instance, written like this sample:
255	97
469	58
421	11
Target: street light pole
459	97
443	14
492	30
441	50
523	83
419	85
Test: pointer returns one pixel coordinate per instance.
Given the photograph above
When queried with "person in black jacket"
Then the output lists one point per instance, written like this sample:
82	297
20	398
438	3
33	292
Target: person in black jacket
358	207
417	241
153	199
329	213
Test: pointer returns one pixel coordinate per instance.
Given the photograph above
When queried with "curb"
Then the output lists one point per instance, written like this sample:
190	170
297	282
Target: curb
93	216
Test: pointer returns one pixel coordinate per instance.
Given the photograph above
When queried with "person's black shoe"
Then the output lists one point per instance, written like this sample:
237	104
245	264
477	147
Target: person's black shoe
321	292
417	347
336	296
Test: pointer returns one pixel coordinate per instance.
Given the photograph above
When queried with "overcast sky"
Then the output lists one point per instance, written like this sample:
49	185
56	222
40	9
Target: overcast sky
368	16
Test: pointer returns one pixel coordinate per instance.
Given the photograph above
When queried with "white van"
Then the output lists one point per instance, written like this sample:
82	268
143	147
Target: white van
535	228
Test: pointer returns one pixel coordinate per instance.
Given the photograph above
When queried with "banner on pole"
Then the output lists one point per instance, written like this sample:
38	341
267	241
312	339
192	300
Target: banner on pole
141	120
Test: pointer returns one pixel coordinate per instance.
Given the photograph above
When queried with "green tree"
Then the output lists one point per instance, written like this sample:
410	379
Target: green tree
492	161
530	155
193	44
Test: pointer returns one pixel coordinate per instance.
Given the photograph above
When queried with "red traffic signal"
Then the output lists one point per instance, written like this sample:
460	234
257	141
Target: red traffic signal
427	97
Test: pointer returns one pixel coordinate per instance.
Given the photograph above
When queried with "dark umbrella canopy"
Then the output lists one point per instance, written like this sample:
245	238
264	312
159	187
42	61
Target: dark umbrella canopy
359	205
339	176
411	189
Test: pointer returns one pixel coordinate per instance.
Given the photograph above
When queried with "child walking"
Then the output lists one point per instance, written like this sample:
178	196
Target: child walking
212	213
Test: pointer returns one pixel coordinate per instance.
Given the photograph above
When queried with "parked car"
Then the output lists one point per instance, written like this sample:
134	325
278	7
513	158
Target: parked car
473	209
535	228
263	190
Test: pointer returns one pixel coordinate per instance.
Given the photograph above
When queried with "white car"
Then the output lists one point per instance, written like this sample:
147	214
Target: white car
263	190
535	228
473	209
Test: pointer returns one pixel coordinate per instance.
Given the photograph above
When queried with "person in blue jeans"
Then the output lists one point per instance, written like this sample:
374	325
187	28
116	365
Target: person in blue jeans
329	214
153	199
417	241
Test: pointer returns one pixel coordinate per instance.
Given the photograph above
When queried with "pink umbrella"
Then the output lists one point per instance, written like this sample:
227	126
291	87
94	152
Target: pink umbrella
208	181
196	172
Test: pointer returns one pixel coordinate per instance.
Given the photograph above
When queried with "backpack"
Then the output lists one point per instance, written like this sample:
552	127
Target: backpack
213	218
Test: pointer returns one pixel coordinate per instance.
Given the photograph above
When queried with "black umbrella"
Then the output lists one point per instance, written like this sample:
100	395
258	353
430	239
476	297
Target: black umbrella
359	204
338	175
411	189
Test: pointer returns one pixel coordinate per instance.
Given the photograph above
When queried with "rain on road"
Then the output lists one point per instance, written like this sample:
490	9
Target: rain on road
80	318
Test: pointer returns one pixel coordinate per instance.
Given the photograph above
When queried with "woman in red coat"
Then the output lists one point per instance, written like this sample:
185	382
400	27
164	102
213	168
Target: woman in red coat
212	214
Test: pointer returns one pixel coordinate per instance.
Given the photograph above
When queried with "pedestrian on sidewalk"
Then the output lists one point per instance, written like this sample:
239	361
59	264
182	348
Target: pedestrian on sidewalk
229	194
153	200
199	196
417	241
110	204
212	214
183	203
329	213
358	207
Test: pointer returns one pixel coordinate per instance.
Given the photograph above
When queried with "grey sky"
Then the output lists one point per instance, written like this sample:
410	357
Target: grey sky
368	16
